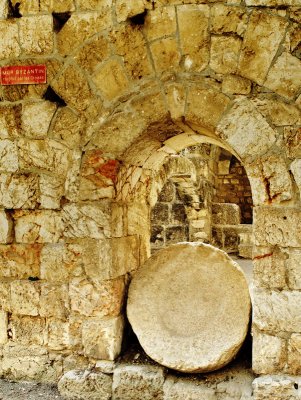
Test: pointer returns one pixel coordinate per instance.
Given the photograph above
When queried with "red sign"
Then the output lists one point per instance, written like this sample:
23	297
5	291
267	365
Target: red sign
23	75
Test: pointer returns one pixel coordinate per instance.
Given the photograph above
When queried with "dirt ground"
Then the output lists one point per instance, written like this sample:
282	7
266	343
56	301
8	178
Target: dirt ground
10	390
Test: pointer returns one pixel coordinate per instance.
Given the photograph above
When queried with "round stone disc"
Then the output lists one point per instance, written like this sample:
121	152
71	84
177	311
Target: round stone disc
189	306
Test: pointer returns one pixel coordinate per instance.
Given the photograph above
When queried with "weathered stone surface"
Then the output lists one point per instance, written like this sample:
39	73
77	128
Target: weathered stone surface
10	121
294	354
68	127
38	226
276	388
5	295
94	51
259	48
296	170
270	267
160	22
245	130
52	189
278	112
37	128
276	226
225	214
3	9
166	55
58	334
102	338
212	104
193	29
165	315
292	139
85	385
9	161
3	327
54	300
128	8
56	6
285	75
177	389
9	46
224	54
138	381
269	353
25	297
28	330
19	191
36	34
277	311
228	19
234	84
293	268
6	228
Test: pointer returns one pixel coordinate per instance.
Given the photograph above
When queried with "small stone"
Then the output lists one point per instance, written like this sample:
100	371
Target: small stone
168	318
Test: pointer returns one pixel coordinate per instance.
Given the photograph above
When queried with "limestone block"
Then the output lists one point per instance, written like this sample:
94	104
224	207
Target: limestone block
105	300
57	6
130	44
228	19
3	9
51	191
67	127
269	353
75	361
225	214
104	6
245	130
102	338
234	84
95	51
294	270
296	170
284	76
105	366
3	327
87	220
72	86
54	300
111	80
19	191
212	104
6	228
25	297
9	46
277	311
165	315
176	98
178	389
36	34
80	27
20	261
5	294
277	226
269	267
224	54
259	48
138	381
45	155
294	354
275	387
292	140
28	330
125	255
278	112
9	161
85	385
193	23
160	22
10	121
36	118
126	9
145	105
38	226
166	55
57	334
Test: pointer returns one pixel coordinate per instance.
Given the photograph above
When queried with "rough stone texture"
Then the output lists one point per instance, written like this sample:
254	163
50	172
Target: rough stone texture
185	320
224	54
9	161
127	9
292	137
179	389
276	388
36	34
270	267
234	84
293	267
259	48
9	46
296	170
134	382
37	129
6	228
225	214
85	385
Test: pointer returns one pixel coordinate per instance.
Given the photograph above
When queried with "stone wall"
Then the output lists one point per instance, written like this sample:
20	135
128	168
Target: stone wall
130	84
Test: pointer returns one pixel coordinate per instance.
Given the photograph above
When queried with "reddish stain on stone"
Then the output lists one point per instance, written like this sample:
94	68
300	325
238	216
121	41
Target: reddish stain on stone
110	169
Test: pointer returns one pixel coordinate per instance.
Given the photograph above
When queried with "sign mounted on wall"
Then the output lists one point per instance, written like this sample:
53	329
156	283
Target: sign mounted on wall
23	75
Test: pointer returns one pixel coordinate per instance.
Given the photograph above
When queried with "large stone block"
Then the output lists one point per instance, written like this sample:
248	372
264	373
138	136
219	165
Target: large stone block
277	226
225	214
175	311
28	331
245	130
36	34
224	54
193	30
166	55
6	227
280	114
138	382
85	385
277	388
269	353
10	121
270	269
292	140
25	297
160	22
294	271
54	300
52	188
178	389
9	160
284	76
32	126
102	338
19	191
228	19
276	311
38	226
9	46
58	334
259	48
